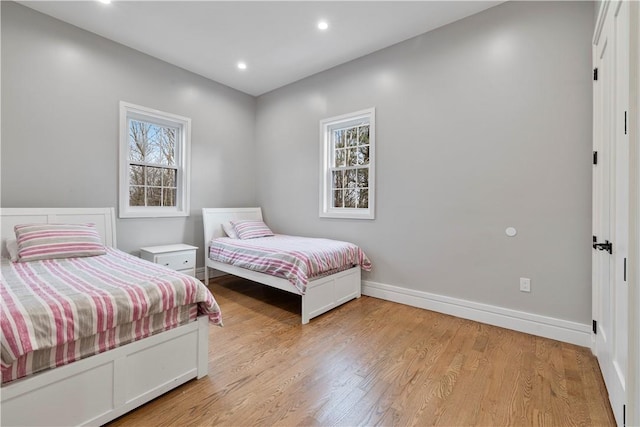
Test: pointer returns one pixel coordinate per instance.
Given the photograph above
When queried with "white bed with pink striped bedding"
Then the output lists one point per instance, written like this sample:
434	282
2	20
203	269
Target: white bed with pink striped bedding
297	259
57	311
86	339
326	273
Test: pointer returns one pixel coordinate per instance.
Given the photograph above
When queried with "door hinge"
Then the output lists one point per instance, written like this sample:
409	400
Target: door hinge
624	272
625	122
595	157
594	326
595	74
624	415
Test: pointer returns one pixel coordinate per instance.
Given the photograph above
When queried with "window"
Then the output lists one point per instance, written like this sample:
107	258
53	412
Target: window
347	165
154	163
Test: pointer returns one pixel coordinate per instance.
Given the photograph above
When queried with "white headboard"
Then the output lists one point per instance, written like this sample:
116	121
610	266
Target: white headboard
213	218
103	218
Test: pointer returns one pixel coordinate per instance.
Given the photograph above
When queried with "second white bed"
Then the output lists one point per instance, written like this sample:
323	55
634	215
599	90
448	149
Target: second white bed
322	294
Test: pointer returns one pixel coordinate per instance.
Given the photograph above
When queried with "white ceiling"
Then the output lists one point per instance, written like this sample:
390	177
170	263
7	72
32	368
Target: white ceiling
278	40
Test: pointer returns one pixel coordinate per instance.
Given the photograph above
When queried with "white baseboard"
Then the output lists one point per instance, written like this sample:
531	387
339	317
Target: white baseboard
534	324
212	273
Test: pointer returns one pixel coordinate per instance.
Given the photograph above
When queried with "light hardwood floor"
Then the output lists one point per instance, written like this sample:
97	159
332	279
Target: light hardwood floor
374	362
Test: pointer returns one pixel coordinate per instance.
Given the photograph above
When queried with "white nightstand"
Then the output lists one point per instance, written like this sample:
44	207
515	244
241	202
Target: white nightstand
178	257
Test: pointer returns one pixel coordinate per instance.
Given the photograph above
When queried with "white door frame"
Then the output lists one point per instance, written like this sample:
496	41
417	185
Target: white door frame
633	412
631	395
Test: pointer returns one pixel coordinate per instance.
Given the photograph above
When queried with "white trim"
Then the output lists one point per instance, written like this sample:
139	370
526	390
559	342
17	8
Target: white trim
103	218
534	324
325	210
200	274
633	397
183	163
602	13
212	274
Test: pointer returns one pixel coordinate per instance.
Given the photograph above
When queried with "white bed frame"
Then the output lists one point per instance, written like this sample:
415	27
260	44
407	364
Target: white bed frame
97	389
322	294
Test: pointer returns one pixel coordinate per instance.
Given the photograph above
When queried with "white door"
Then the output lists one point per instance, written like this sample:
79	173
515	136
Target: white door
611	202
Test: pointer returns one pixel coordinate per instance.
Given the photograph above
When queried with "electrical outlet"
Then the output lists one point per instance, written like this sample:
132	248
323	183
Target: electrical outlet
525	284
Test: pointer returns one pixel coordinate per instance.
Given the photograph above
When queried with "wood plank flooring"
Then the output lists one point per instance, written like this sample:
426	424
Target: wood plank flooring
374	362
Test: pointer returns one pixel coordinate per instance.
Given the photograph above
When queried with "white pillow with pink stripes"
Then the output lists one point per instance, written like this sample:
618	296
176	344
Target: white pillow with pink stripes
51	241
229	230
251	229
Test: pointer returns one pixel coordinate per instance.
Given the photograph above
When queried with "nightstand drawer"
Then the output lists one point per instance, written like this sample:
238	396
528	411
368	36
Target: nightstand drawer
177	260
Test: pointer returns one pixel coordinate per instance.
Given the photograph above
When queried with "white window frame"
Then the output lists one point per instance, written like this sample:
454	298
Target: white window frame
183	162
326	161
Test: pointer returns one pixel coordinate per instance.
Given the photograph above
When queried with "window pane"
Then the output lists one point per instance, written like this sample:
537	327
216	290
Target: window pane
363	201
136	196
352	137
169	177
154	176
154	148
136	175
350	198
363	135
340	158
338	138
363	155
351	176
169	196
352	156
338	198
168	144
363	178
137	141
338	179
153	154
151	143
153	196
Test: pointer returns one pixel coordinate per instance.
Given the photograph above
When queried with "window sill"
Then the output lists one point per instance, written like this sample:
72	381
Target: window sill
152	213
348	214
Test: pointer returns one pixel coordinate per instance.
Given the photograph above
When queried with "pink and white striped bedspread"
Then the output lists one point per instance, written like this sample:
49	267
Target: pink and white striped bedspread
297	259
51	303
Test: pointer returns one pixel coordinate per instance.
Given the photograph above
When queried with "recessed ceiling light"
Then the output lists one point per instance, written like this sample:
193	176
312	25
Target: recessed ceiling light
105	1
323	25
242	65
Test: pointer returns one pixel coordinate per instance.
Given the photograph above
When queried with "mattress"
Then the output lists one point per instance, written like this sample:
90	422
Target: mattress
57	311
297	259
40	360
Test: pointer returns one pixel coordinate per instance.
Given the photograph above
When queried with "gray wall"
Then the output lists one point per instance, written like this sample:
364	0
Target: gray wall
60	92
482	124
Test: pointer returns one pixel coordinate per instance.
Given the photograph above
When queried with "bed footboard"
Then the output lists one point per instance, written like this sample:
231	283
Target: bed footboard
103	387
328	292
